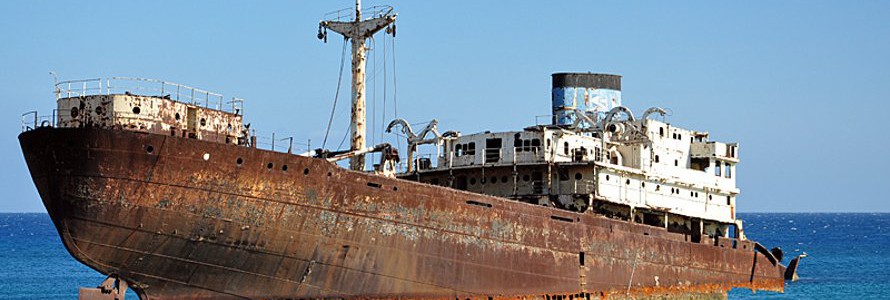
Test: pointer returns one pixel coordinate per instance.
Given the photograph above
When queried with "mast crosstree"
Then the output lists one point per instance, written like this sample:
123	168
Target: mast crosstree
358	31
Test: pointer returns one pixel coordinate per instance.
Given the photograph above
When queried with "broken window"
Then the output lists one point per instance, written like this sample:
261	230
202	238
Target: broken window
492	150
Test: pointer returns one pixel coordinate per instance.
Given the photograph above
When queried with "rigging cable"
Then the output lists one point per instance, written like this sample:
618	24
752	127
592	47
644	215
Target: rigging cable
395	89
373	120
383	116
336	95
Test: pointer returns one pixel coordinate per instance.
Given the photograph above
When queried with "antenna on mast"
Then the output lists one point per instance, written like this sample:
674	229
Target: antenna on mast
358	30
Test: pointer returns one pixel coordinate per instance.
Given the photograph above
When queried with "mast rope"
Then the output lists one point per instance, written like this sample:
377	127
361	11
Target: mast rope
336	96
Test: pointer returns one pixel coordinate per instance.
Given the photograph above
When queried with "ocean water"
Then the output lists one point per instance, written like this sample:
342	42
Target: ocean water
848	256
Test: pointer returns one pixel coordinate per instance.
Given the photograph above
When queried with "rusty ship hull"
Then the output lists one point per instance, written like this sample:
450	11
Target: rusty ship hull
190	219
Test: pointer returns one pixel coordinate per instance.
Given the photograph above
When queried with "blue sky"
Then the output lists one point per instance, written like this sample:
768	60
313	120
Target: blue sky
802	85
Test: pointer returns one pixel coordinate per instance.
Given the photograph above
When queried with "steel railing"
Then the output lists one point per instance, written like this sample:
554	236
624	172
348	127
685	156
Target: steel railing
148	87
348	14
32	120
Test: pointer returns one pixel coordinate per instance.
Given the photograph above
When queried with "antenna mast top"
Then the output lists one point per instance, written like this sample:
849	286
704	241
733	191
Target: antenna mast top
358	30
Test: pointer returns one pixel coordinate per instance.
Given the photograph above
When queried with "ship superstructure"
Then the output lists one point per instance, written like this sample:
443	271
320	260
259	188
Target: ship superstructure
165	188
597	156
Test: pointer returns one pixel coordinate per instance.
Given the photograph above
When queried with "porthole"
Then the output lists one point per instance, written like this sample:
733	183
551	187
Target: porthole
472	181
203	122
75	112
149	149
578	176
269	165
306	172
526	177
504	179
239	161
177	116
284	168
395	189
136	110
494	179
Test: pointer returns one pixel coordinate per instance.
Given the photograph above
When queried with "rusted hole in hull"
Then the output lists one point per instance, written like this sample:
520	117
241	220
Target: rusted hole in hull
477	203
564	219
306	172
395	189
374	185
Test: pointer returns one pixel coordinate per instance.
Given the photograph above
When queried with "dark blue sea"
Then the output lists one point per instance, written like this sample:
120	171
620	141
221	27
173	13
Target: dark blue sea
848	256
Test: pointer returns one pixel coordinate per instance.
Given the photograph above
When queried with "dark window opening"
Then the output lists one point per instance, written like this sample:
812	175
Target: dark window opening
657	159
269	165
526	177
581	258
306	172
374	185
494	179
578	176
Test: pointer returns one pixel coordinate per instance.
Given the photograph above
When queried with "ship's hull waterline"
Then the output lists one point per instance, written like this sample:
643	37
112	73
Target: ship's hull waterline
184	218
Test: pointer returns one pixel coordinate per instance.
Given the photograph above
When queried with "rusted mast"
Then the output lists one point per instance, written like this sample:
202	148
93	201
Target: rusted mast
358	31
